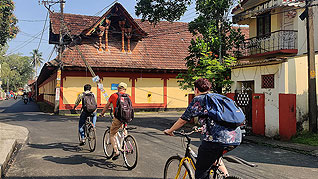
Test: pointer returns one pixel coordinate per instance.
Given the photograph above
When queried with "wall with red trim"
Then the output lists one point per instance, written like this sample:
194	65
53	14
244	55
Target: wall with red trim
133	81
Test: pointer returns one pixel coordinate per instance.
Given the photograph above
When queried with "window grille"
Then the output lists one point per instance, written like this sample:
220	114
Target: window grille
268	81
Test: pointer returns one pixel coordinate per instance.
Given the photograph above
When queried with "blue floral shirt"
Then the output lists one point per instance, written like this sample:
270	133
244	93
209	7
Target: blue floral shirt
211	131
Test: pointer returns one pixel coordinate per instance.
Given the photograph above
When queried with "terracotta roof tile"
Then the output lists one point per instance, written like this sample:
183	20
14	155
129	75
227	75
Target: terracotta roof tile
165	46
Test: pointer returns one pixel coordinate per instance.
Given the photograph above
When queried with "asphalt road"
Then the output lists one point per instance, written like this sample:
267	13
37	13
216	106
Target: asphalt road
53	152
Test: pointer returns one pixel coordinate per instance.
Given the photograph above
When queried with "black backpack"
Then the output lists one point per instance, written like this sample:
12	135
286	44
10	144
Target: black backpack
124	110
89	102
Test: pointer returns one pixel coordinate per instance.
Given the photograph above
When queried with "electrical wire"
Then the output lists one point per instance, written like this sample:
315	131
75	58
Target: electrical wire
105	8
47	14
26	42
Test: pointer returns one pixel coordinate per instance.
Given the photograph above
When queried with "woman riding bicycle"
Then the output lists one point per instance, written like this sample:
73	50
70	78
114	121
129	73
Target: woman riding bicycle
216	138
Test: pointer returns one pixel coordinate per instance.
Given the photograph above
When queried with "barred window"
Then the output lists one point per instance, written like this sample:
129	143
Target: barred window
268	81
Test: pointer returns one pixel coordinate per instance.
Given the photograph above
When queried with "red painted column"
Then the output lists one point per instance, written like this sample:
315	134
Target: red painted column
133	90
287	116
165	92
61	106
99	101
230	95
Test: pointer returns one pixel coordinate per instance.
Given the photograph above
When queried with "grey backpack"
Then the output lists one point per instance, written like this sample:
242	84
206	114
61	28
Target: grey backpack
89	102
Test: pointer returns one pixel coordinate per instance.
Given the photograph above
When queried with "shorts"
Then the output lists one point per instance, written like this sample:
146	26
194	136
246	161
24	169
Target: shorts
116	124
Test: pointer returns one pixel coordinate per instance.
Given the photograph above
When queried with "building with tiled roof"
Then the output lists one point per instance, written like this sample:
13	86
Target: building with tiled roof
118	48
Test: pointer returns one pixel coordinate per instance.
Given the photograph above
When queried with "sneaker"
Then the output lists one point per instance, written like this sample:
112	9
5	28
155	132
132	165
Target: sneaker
82	142
116	156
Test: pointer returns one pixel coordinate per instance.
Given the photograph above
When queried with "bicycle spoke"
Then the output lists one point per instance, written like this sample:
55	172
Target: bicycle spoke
172	170
130	152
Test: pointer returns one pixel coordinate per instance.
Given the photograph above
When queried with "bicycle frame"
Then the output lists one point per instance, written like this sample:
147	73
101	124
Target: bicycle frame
190	157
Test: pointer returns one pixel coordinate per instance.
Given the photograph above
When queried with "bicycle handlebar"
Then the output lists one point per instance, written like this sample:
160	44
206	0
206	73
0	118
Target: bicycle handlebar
184	134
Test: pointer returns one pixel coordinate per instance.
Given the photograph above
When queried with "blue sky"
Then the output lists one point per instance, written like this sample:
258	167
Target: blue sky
31	16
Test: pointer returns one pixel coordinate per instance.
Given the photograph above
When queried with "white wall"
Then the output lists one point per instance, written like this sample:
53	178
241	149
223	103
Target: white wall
271	95
302	31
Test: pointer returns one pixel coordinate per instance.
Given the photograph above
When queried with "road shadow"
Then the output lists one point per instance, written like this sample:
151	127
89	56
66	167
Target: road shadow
90	160
82	177
66	146
18	106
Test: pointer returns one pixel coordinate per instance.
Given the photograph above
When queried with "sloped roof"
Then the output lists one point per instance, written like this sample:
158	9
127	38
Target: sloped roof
118	9
165	47
75	23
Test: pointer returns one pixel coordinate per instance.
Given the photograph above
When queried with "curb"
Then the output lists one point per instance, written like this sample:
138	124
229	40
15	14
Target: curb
3	164
306	152
17	136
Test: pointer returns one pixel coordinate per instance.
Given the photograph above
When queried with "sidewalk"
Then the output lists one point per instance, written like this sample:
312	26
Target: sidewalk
10	136
300	148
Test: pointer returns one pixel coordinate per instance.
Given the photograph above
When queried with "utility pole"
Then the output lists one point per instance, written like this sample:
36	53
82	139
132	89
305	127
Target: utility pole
59	71
312	93
60	50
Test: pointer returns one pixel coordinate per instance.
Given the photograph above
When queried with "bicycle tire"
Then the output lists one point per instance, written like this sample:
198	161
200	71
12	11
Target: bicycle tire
91	136
130	149
233	177
107	146
185	172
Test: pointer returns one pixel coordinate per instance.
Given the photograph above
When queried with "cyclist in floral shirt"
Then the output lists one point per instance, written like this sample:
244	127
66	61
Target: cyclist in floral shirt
216	138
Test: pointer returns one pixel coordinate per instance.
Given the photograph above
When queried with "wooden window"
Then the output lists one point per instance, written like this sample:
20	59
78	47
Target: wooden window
268	81
264	24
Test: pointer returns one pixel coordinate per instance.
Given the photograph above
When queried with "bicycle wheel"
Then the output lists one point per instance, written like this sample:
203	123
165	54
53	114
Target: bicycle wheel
91	137
233	177
130	151
172	166
107	146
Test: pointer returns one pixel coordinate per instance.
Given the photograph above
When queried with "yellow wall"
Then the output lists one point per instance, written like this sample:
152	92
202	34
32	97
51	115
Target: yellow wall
107	81
73	86
152	86
177	98
48	88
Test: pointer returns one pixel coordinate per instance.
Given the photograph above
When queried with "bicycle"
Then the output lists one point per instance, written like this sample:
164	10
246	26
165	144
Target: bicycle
185	166
90	134
126	144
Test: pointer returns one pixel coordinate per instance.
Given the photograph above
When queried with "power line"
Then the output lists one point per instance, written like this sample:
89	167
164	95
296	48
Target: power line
26	20
105	8
29	35
47	14
26	42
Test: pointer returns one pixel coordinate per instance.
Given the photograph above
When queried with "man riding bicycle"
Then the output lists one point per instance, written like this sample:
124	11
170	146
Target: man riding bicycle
216	138
116	123
89	107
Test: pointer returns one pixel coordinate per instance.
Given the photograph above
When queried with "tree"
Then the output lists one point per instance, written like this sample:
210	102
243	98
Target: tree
37	60
216	43
16	70
8	21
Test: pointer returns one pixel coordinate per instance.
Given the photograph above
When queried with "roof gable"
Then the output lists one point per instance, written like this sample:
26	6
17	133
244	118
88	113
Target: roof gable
115	14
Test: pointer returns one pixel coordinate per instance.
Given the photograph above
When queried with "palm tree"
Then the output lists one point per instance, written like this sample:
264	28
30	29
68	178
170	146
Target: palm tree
37	60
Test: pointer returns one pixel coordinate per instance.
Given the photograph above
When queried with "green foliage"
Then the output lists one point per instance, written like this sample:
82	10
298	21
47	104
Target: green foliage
15	68
155	10
216	43
203	62
36	59
306	137
8	21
